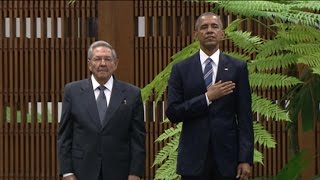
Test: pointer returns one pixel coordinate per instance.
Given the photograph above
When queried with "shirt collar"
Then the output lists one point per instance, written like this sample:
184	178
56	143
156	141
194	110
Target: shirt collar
108	84
214	57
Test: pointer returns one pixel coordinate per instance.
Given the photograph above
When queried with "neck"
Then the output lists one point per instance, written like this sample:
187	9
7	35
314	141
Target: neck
210	51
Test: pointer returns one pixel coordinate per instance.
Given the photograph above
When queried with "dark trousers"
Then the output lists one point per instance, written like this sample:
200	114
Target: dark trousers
210	171
100	174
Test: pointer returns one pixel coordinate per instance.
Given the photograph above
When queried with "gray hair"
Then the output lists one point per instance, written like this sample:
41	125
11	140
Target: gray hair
196	26
99	44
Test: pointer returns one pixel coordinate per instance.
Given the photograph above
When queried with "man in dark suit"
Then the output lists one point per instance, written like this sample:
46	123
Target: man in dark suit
216	141
102	133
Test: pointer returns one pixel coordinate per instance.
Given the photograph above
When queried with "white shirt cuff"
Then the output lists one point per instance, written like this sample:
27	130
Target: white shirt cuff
208	102
67	174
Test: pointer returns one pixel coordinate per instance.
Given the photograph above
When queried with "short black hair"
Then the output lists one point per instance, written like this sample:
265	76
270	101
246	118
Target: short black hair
196	26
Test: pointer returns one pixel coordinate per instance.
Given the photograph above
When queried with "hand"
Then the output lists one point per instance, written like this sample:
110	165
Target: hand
220	89
133	177
70	177
244	171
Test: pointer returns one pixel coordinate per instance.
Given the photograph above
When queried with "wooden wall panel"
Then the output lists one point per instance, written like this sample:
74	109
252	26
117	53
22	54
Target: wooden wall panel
43	47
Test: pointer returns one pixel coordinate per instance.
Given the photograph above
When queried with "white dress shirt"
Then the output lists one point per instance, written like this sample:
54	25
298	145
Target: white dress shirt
107	91
215	62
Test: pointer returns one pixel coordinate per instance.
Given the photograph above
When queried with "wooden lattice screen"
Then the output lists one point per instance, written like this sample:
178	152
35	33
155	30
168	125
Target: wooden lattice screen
43	46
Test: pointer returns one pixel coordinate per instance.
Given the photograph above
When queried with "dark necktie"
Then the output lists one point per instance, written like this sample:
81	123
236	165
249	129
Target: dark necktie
102	103
208	71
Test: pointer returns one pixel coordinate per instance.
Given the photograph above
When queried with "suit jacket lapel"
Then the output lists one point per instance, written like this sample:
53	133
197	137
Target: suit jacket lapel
90	103
117	96
223	68
197	73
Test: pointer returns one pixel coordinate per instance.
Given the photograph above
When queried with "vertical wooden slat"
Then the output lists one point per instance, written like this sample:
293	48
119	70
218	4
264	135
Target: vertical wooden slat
63	48
2	107
53	91
33	92
6	92
22	93
12	126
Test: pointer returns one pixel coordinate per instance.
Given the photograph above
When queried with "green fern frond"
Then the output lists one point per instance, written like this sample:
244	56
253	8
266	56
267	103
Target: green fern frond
257	156
272	47
167	171
262	136
275	62
147	91
186	52
268	109
254	8
245	41
264	80
270	10
233	26
316	70
311	60
293	32
301	17
241	57
169	133
304	48
159	84
169	149
305	5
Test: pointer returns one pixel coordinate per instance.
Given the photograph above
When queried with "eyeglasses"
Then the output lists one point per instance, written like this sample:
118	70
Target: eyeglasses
99	59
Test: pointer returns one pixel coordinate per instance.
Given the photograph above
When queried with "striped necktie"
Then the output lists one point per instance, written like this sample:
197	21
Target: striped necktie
102	103
208	72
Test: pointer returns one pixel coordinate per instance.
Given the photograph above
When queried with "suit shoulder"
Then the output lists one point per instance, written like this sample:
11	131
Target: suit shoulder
128	86
234	60
76	83
186	61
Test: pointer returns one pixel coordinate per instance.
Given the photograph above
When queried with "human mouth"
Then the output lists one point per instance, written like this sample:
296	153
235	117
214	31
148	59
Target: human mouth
210	37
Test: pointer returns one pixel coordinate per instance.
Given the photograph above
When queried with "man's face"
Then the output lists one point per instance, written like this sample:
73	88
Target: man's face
209	32
102	64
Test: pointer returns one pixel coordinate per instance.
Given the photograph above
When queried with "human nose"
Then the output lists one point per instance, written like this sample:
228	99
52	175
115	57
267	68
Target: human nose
103	61
210	29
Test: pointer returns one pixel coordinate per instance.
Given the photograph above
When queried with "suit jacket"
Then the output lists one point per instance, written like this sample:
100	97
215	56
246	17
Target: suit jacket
117	146
226	123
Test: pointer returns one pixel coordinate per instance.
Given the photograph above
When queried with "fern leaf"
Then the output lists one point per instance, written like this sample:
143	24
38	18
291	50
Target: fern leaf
167	171
241	57
268	109
303	5
262	136
293	32
270	10
316	70
257	156
232	26
254	8
275	62
169	149
272	47
245	41
301	17
311	60
169	133
304	48
264	80
159	84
